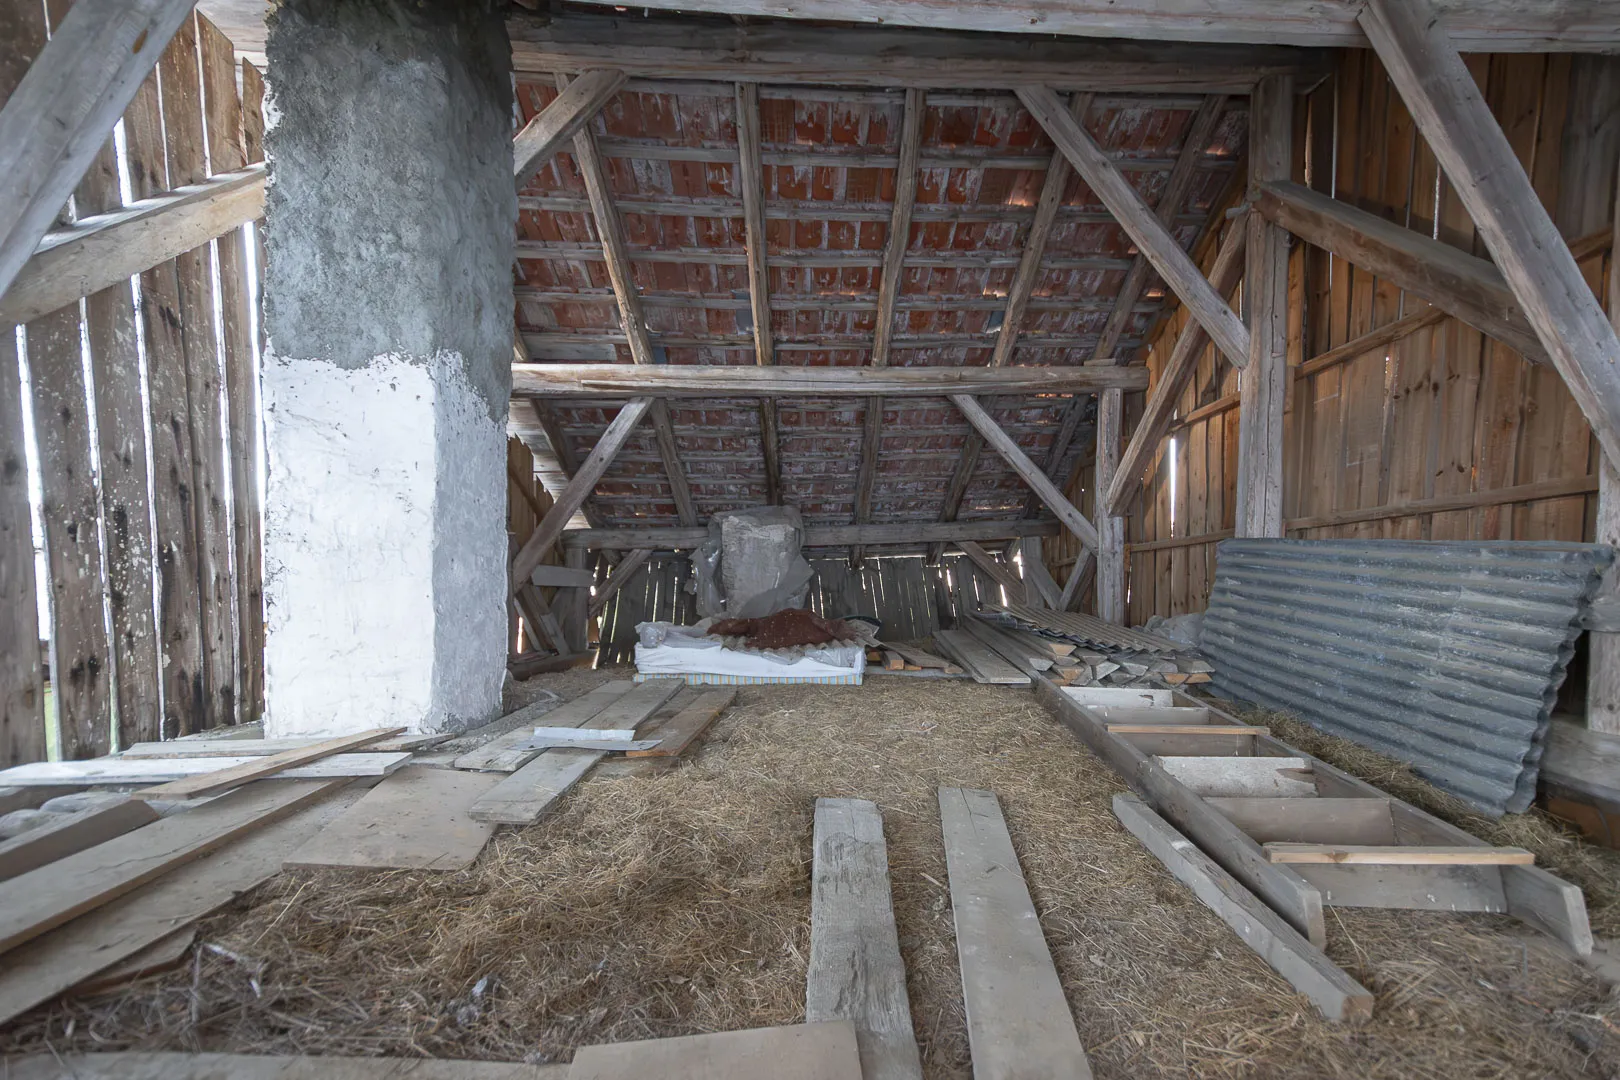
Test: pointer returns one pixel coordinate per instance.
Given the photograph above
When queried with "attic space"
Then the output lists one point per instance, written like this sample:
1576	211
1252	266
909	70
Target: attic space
547	540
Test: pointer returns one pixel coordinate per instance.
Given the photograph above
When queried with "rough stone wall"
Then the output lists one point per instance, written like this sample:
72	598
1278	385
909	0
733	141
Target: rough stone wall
388	302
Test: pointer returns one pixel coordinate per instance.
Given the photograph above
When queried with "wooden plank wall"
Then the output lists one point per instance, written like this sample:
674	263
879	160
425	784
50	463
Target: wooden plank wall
526	503
1442	412
145	441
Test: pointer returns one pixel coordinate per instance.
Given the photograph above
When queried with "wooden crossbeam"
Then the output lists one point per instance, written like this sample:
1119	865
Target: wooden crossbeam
1151	237
100	251
1010	451
631	318
64	109
1199	132
1178	371
583	483
1001	573
669	538
894	261
620	576
692	380
564	118
1449	110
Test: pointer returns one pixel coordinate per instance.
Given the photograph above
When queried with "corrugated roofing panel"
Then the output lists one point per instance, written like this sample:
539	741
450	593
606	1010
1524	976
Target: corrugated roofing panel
1447	655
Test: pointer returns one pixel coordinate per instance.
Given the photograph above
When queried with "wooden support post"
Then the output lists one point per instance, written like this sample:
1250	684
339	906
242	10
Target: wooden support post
576	619
582	484
1110	527
1603	670
574	107
1451	113
1178	371
1264	382
1032	474
1151	237
63	111
894	261
751	181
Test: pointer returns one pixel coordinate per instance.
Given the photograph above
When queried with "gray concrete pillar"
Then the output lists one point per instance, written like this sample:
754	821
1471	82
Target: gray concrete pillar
388	303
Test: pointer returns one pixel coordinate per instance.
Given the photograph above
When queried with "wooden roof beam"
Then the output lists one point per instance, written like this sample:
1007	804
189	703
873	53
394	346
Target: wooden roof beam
670	538
894	261
1151	237
614	251
1010	451
569	112
1471	288
1449	110
704	380
1230	35
1178	371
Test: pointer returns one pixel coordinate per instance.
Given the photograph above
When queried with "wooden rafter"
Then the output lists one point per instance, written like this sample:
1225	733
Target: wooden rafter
665	538
717	380
1032	474
1018	298
1151	237
560	121
614	249
1464	285
63	111
1183	362
894	261
1199	132
751	181
579	488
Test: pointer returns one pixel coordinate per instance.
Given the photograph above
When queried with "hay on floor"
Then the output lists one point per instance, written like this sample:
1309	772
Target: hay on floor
679	903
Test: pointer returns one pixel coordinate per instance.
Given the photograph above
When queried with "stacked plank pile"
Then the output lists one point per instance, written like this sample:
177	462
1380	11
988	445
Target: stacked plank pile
1010	650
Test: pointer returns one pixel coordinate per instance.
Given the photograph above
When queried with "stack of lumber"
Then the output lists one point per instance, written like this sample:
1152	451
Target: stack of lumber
1071	650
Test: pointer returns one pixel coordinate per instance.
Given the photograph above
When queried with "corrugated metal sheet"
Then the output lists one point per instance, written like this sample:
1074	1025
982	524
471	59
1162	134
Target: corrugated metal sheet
1088	628
1447	655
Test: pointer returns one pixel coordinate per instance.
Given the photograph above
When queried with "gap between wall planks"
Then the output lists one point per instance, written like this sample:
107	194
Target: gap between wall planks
200	656
1440	418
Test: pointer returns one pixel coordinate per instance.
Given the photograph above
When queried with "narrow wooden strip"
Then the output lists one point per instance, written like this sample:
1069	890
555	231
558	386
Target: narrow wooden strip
1306	967
121	771
1399	855
825	1051
1380	338
504	753
237	775
678	732
175	1066
415	820
1019	1024
855	971
1186	729
43	899
71	833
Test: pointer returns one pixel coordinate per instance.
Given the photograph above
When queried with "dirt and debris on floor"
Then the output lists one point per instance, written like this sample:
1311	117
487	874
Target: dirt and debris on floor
679	903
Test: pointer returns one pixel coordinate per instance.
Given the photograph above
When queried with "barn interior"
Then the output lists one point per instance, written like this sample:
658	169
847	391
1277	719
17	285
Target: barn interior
543	540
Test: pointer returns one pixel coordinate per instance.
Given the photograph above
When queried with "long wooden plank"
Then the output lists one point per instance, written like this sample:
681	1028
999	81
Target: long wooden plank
1151	237
251	747
40	969
122	771
1019	1023
63	111
855	971
42	899
174	1066
887	52
1306	967
71	833
1031	473
165	954
521	798
579	488
560	121
698	380
670	538
505	753
415	820
234	776
1398	855
678	732
983	663
823	1051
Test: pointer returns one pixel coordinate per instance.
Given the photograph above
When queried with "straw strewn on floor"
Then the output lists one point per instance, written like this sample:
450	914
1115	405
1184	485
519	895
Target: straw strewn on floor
679	903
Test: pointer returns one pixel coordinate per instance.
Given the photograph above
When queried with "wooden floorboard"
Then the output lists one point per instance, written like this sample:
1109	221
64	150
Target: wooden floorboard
416	819
799	1052
1019	1023
505	753
678	732
855	971
71	833
158	1066
133	771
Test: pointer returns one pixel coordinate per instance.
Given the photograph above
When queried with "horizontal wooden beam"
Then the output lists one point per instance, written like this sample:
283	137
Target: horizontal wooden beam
98	252
920	532
1468	287
693	380
918	58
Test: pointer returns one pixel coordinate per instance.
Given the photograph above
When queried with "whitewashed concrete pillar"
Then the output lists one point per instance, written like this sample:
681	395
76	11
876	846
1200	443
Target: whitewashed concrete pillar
388	303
